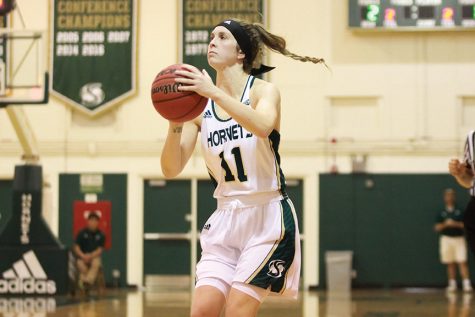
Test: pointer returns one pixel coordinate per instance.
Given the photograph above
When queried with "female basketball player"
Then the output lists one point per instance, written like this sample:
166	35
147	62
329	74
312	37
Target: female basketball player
251	242
464	173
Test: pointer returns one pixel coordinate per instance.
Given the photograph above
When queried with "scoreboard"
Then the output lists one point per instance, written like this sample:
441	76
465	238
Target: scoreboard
412	15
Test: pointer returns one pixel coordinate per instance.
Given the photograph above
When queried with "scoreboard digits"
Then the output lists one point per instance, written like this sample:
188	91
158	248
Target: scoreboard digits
412	14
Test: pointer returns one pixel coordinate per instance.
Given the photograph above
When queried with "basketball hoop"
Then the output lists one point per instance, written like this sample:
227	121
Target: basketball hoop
6	6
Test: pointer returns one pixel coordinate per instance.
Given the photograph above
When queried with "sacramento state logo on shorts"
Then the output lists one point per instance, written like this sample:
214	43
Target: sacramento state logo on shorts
92	94
276	268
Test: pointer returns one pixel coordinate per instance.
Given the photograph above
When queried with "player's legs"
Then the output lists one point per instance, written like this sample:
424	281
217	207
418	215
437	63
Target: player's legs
451	271
208	301
244	300
448	257
464	270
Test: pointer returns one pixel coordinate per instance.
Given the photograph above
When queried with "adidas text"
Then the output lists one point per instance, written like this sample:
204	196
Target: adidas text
26	276
27	286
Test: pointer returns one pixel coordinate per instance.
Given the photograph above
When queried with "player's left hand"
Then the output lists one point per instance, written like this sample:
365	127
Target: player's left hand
450	223
196	80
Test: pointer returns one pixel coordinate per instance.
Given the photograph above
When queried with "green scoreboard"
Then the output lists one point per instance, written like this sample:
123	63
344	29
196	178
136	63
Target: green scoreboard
412	15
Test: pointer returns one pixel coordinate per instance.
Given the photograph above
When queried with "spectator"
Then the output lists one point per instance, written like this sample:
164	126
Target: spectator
88	248
453	247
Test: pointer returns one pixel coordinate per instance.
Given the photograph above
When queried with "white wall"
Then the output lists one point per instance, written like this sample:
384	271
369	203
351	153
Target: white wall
399	98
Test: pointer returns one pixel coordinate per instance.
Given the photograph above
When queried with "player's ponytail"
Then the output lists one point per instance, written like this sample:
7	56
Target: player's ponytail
259	35
277	44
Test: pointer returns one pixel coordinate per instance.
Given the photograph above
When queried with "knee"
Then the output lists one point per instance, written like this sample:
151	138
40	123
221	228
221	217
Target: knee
238	309
96	264
79	263
232	309
200	311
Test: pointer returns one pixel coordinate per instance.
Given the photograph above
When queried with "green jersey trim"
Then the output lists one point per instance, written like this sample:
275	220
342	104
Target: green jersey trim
274	141
242	96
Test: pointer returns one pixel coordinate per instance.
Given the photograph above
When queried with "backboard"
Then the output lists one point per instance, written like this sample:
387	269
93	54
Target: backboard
23	77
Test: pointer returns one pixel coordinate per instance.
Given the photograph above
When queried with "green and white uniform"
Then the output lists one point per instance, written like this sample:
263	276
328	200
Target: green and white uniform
452	244
238	162
253	236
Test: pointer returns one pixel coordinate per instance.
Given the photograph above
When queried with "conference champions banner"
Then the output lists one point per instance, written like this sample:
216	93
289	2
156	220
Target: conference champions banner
93	58
199	17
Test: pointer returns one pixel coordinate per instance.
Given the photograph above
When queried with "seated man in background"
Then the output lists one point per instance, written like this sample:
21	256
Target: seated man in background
453	248
88	248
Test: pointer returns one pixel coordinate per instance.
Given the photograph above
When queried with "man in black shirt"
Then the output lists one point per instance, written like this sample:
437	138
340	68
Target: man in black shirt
453	248
88	248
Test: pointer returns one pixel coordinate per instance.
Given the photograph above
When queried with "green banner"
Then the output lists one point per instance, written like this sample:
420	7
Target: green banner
201	16
93	49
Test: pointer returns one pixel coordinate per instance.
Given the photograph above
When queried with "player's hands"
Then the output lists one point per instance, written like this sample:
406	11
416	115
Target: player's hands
456	168
196	80
450	223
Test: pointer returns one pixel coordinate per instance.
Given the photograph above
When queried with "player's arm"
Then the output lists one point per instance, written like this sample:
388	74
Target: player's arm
263	115
439	226
462	173
179	145
260	119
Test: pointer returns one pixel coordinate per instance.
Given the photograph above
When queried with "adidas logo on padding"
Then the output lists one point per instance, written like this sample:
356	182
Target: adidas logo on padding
27	276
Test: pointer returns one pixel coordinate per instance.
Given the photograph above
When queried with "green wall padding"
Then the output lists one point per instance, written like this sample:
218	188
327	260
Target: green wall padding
389	226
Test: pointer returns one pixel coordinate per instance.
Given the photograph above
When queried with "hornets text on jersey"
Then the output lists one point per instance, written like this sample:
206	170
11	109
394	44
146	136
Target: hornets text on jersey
239	162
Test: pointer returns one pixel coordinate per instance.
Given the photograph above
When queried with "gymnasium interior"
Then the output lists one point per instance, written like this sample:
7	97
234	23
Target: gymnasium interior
365	149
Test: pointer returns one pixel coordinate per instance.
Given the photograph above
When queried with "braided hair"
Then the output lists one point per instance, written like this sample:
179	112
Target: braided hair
259	37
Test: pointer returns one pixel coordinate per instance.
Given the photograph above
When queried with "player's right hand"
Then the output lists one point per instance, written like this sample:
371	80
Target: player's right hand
456	168
449	223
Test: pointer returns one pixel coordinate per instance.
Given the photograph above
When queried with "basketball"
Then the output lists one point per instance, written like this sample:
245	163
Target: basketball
172	104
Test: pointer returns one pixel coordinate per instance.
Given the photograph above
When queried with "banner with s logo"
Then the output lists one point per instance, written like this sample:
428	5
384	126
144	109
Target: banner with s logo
198	19
93	59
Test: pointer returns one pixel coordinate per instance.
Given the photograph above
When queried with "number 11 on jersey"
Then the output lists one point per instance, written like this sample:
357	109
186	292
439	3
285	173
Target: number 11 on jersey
229	177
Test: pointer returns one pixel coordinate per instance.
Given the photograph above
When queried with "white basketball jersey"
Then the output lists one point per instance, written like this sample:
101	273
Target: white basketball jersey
238	162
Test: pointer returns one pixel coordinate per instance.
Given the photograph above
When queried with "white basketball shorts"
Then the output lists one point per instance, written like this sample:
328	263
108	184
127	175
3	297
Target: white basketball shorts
453	249
252	239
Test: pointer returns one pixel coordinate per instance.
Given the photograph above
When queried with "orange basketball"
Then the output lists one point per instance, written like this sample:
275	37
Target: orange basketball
172	104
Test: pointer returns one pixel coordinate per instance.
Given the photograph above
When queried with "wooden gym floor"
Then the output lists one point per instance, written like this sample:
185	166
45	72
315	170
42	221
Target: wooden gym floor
361	303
